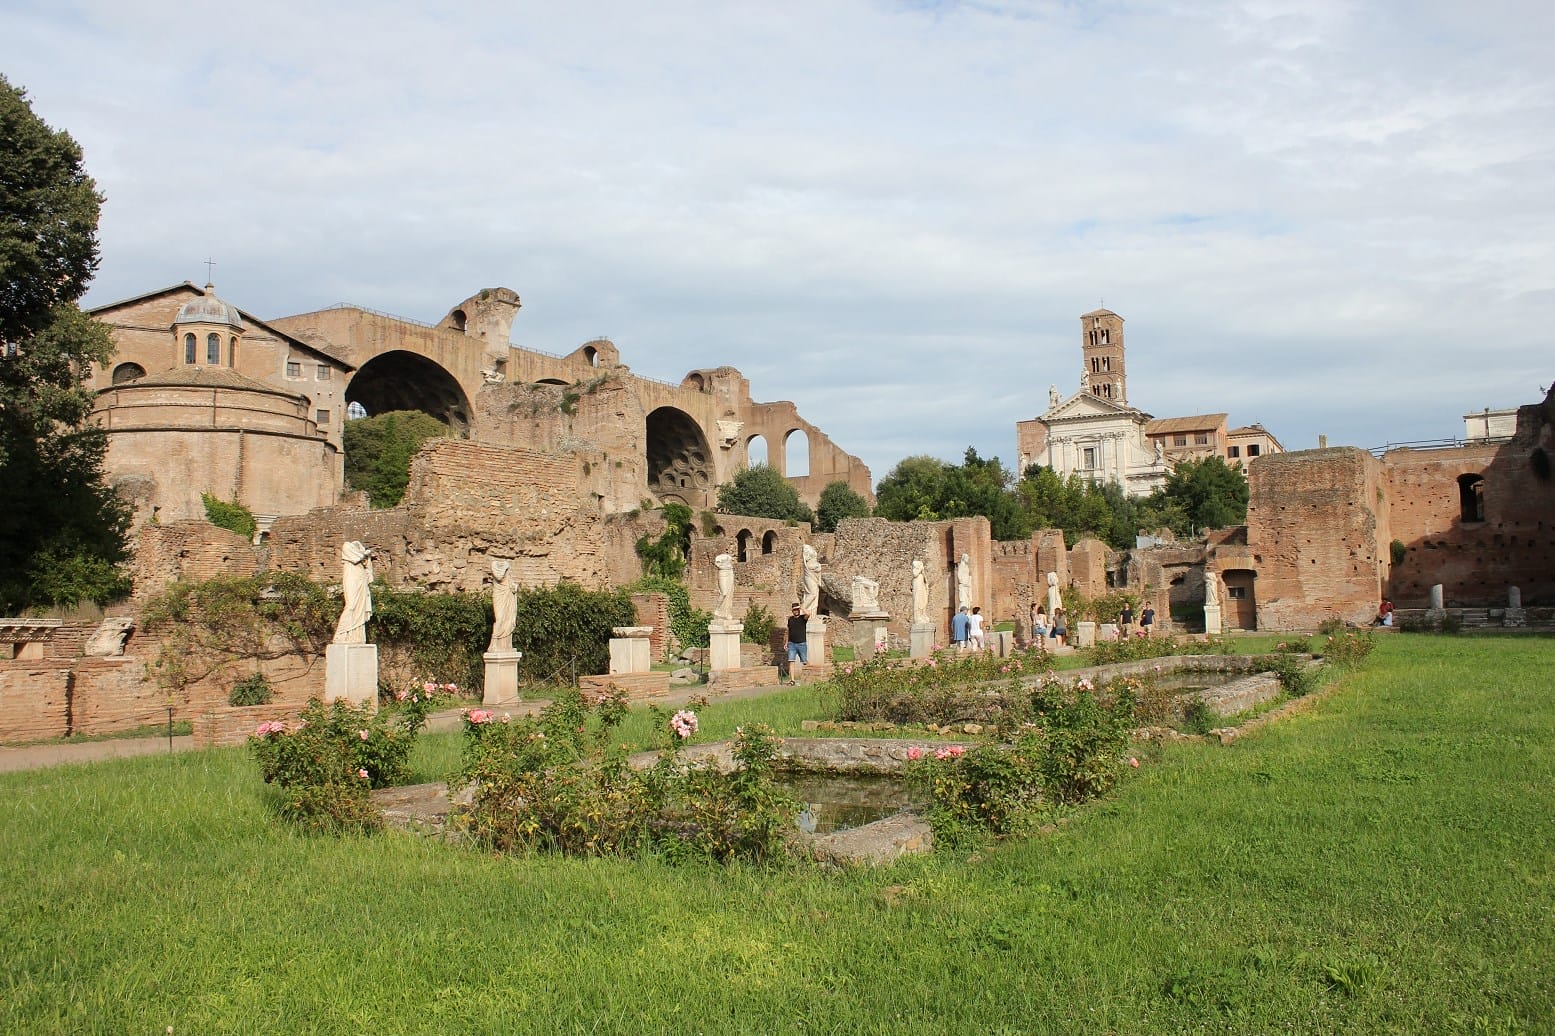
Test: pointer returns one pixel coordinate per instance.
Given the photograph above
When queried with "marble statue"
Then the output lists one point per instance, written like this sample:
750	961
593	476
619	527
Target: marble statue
810	582
866	596
920	593
1160	451
964	582
1211	589
355	578
1054	601
504	606
1052	397
723	608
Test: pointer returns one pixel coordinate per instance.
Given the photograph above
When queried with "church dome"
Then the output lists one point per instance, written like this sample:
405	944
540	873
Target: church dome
208	309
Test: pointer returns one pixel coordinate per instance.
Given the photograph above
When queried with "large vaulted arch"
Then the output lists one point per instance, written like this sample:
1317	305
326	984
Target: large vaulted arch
680	462
402	380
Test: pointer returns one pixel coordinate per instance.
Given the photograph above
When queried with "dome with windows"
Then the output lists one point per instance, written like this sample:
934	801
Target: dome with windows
208	309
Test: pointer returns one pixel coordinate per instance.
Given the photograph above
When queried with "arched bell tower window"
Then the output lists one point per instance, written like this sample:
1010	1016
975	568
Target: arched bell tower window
189	348
213	349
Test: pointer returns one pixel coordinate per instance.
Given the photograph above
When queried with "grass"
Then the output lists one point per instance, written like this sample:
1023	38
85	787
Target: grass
1383	862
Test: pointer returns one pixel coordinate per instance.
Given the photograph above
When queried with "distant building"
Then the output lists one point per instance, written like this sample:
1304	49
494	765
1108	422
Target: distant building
1096	434
1490	425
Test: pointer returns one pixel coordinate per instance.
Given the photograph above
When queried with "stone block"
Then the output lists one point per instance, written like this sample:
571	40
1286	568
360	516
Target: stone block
631	650
724	645
501	677
921	639
351	673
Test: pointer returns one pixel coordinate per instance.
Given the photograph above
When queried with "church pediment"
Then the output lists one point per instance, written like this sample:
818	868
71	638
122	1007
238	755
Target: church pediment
1085	406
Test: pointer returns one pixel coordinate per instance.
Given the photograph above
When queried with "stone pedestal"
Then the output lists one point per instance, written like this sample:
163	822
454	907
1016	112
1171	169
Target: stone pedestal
921	640
351	673
1085	634
1212	618
501	677
870	634
631	650
723	644
815	640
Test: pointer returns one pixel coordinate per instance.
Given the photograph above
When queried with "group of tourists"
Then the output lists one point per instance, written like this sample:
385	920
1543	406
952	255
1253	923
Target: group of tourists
1055	627
966	629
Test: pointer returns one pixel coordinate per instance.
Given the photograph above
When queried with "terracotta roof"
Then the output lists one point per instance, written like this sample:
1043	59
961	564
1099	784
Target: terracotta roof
1098	313
1196	423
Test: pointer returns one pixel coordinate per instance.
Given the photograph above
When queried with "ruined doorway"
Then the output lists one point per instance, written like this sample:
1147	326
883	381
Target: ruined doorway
1240	610
401	380
679	459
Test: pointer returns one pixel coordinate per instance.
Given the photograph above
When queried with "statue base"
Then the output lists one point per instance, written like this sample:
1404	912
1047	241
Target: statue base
723	643
351	674
630	650
815	641
921	640
1212	619
501	677
870	634
1085	634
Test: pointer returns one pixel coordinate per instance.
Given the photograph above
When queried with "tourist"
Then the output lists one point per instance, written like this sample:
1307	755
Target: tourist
974	633
1146	620
1036	614
1060	631
1039	628
1125	620
797	644
959	626
1384	614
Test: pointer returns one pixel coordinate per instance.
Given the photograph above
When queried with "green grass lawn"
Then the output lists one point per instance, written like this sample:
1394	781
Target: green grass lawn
1384	862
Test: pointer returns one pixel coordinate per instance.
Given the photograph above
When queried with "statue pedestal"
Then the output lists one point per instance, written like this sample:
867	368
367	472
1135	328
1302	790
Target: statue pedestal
921	640
1212	619
723	643
630	650
501	677
1085	634
870	634
815	640
351	674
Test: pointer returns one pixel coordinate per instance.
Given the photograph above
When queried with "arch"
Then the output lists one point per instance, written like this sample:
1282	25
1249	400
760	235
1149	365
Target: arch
678	454
742	545
755	451
694	382
1471	497
189	347
459	319
591	354
769	542
125	372
553	381
400	380
796	455
213	349
232	351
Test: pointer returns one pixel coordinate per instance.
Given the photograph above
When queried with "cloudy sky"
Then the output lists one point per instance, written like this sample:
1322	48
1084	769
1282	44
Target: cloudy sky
1328	217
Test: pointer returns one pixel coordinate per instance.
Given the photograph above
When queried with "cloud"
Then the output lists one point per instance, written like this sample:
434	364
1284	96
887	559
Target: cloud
1328	217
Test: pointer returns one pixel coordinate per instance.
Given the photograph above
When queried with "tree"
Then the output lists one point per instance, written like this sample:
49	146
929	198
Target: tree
379	449
761	492
838	501
62	528
927	489
1211	493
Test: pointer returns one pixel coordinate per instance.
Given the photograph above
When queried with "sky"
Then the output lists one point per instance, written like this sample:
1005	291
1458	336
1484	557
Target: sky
1330	218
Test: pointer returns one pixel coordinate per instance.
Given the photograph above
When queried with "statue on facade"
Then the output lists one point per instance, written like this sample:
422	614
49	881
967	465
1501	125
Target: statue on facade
1052	397
355	578
504	606
920	593
723	607
1054	601
964	582
866	595
810	582
1160	452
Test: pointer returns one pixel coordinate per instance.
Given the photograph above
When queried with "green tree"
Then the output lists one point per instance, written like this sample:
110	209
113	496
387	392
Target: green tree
913	491
1211	493
379	449
62	528
927	489
760	491
666	556
838	501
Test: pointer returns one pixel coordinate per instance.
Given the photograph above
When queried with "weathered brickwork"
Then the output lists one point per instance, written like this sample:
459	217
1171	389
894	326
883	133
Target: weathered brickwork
189	552
1318	531
34	699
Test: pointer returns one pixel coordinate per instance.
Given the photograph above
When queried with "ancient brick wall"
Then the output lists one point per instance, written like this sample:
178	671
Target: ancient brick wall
189	552
654	610
1511	544
1052	556
1014	581
1088	567
34	699
769	575
233	725
109	695
1317	528
884	551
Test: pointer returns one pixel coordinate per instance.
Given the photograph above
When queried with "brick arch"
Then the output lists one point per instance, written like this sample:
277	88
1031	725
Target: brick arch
402	380
680	461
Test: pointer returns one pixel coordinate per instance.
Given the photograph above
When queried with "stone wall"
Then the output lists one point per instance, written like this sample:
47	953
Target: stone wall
189	552
34	699
884	551
1088	567
1317	527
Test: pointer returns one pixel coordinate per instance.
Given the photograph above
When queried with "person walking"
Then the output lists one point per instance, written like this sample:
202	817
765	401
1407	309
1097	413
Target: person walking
1146	620
1125	620
1060	630
959	626
975	630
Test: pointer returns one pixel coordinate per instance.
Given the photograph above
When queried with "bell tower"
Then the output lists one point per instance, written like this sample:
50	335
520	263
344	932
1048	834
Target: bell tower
1101	345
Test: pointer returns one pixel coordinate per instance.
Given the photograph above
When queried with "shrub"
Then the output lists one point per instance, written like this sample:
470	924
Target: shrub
229	514
251	690
419	632
951	687
688	624
666	556
1348	649
1332	626
1198	718
758	626
1398	552
564	630
1297	678
560	783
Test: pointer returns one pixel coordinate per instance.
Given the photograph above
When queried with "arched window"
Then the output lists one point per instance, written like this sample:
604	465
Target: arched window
796	453
126	372
189	348
768	542
232	352
755	451
742	545
1471	498
213	349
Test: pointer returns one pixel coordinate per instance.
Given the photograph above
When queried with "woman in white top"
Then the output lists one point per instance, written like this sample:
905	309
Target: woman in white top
975	629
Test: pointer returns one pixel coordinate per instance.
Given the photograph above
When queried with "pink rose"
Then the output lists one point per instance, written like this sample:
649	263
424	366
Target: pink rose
362	774
915	753
429	687
1133	762
956	750
362	734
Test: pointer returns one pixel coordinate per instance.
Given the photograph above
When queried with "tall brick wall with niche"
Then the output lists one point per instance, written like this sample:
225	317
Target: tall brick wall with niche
1317	528
1476	543
1014	581
1088	567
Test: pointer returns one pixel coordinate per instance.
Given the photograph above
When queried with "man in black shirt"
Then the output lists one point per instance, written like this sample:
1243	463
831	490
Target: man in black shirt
798	649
